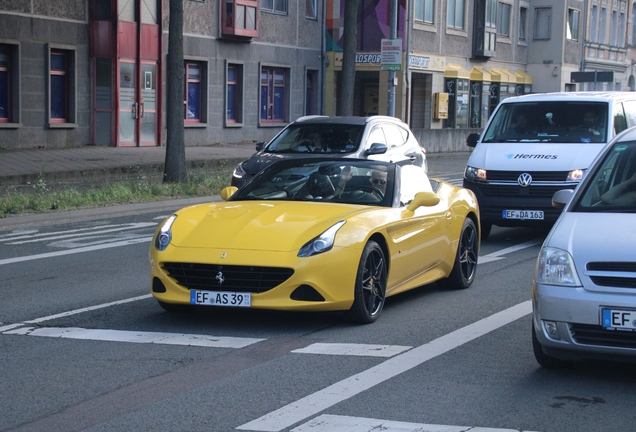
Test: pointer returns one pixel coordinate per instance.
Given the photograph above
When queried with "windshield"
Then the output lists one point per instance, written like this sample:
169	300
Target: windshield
342	181
317	138
613	185
550	121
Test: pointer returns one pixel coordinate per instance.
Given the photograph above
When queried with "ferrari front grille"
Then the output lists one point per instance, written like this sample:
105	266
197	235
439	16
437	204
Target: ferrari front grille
586	334
214	277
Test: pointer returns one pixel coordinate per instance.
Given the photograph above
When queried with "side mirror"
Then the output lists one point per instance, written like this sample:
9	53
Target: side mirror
376	148
472	139
227	192
561	198
421	199
260	145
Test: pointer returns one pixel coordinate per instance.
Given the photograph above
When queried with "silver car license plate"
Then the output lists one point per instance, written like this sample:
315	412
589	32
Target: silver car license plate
619	319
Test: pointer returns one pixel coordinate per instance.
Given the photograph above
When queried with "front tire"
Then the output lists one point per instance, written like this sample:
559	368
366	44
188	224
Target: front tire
370	287
463	273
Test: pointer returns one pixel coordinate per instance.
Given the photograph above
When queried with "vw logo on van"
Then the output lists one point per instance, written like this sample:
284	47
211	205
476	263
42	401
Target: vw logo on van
524	180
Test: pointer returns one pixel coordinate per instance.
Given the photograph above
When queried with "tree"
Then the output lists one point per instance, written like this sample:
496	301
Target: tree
344	103
174	170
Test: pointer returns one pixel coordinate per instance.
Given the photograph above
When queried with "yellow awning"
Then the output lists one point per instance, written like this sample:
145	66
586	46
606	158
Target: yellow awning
479	73
523	77
503	75
455	71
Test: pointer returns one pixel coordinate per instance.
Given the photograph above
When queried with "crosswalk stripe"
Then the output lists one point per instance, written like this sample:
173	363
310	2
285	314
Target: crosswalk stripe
330	423
367	350
136	337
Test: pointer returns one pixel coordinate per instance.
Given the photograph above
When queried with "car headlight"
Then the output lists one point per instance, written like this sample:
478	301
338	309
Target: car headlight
556	267
322	243
472	173
239	171
576	175
164	236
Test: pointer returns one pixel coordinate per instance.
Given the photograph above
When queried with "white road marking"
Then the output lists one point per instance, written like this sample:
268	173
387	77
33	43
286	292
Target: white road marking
331	423
98	230
495	256
353	349
349	387
136	337
75	251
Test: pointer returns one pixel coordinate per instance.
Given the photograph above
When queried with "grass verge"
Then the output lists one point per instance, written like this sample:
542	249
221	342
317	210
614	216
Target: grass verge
42	198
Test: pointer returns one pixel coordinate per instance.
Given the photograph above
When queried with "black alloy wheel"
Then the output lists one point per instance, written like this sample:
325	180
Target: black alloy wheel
370	287
465	267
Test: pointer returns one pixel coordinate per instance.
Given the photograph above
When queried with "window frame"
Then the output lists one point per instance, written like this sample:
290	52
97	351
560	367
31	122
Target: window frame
453	24
537	20
13	79
239	68
312	7
503	28
199	83
271	85
279	7
573	24
523	24
70	93
424	5
229	11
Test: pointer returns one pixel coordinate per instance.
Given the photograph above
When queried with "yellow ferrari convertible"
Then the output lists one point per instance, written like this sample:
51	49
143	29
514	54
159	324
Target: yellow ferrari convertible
318	234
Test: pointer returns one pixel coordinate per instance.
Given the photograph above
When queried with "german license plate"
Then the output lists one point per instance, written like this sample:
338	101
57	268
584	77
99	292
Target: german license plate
220	298
523	214
619	319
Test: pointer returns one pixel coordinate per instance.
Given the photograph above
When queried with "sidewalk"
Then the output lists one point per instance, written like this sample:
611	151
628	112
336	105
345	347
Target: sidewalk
96	163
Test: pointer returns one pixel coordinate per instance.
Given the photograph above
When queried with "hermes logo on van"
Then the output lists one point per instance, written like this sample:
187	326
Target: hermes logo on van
530	156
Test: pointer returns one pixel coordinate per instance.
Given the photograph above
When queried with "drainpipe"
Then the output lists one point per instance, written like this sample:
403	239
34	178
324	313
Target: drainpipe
407	81
323	60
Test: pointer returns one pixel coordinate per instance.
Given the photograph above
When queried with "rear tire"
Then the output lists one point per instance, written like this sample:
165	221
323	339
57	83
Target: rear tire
542	358
463	273
370	288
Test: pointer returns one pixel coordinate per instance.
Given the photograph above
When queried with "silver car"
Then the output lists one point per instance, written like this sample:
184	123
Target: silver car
376	137
584	288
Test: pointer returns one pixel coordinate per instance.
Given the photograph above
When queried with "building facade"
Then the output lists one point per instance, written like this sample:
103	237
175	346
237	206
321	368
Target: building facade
93	72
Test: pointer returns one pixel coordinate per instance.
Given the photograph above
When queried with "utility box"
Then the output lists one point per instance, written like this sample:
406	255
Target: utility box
440	106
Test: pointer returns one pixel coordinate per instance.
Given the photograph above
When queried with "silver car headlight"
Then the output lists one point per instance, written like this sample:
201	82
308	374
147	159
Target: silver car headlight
322	243
576	175
556	267
239	171
164	236
472	173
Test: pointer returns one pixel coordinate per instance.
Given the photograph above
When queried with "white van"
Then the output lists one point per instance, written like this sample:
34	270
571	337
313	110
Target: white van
534	145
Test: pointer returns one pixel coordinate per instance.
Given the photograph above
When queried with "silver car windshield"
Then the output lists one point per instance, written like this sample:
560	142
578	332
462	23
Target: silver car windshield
317	138
613	185
550	121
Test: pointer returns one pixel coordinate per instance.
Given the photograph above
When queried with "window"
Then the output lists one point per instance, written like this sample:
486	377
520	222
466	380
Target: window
542	23
234	103
573	24
311	93
621	31
273	94
424	11
523	23
276	6
193	93
602	26
5	84
61	89
455	16
613	28
311	9
503	19
594	24
240	18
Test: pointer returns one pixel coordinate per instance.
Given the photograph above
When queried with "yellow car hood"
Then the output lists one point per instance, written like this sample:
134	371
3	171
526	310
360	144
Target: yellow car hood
268	226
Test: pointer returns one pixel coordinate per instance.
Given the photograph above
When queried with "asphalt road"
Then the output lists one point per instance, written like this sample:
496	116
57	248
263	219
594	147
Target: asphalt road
84	347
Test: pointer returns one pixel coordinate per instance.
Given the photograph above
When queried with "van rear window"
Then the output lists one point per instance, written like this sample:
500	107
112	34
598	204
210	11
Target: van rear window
562	122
